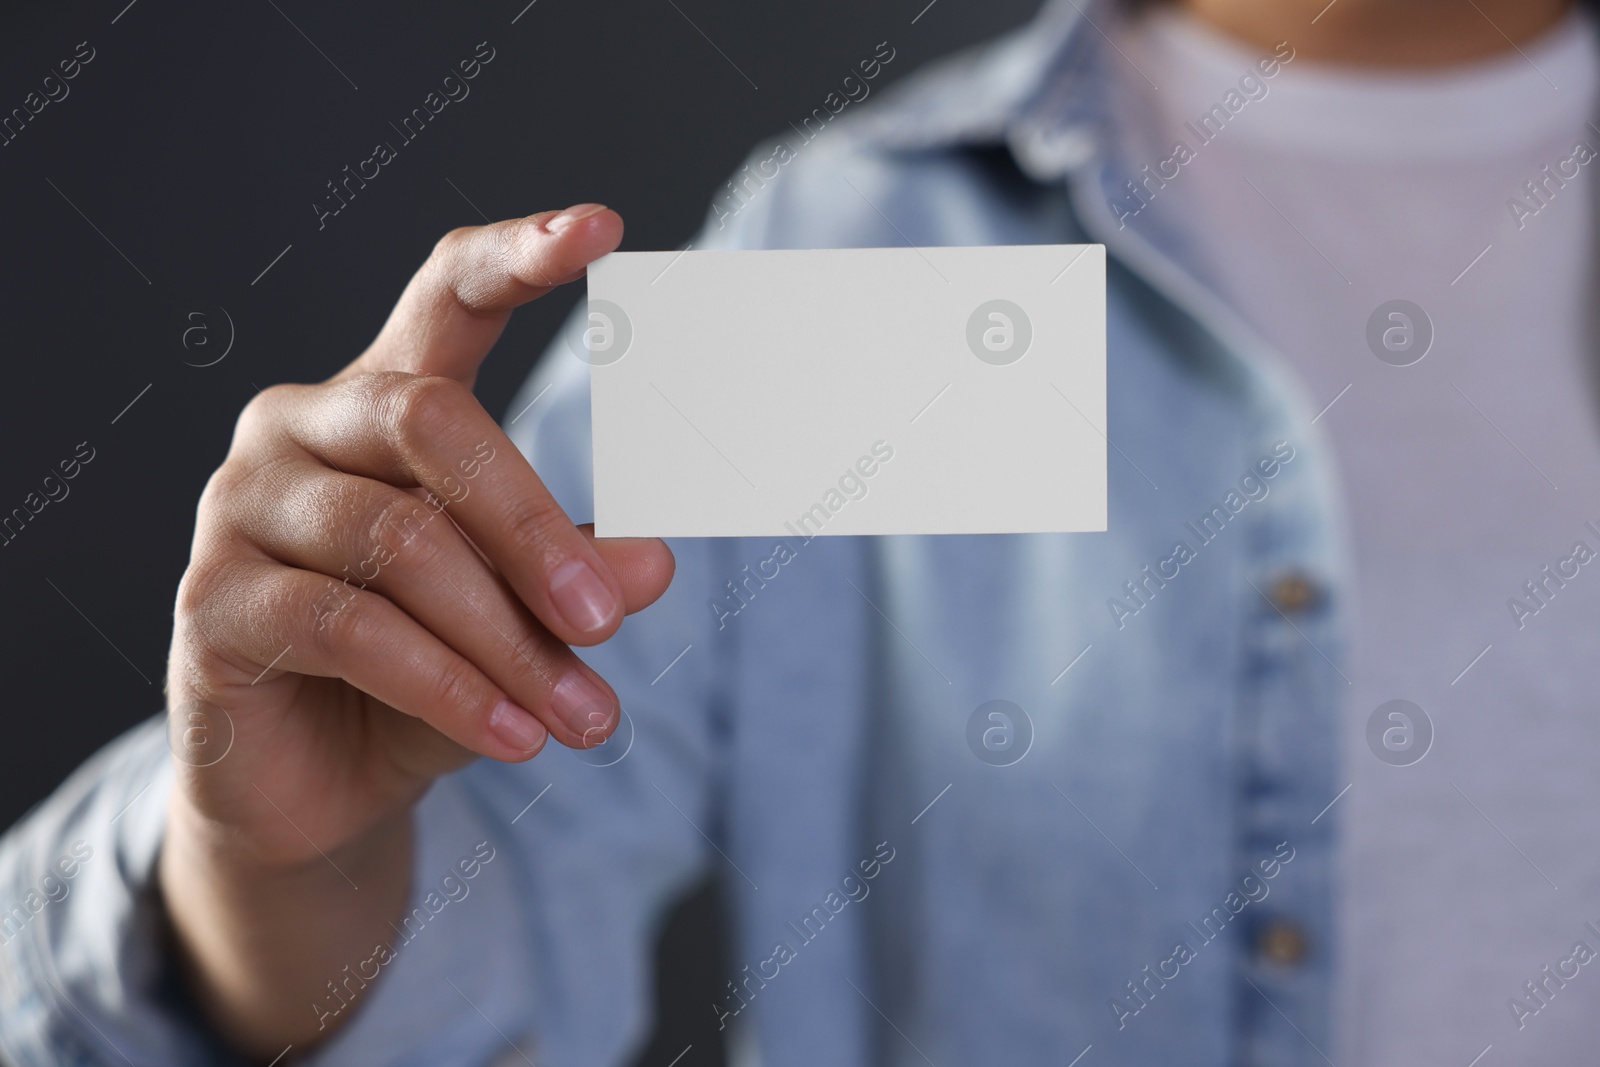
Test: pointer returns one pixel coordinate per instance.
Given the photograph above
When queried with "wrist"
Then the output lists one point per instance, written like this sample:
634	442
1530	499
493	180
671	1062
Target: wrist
269	847
259	936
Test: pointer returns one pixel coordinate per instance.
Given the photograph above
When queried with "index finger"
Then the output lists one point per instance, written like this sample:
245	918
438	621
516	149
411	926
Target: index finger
456	305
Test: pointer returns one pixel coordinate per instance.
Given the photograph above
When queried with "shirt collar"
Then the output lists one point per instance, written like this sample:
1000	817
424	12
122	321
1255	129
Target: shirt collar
1040	89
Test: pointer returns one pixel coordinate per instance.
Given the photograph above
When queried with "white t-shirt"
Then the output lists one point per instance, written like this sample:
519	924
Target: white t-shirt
1329	192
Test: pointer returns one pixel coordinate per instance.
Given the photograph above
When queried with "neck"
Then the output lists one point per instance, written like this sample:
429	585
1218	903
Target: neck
1385	33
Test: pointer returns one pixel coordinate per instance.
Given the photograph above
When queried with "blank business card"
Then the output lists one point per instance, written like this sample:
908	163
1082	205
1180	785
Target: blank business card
848	391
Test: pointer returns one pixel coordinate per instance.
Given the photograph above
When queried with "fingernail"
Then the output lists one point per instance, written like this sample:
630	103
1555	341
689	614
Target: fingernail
571	215
516	727
581	597
583	706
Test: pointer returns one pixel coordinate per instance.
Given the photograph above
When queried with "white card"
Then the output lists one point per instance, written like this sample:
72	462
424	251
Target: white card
848	391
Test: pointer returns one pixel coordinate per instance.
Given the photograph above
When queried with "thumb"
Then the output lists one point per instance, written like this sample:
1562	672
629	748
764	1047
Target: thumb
455	307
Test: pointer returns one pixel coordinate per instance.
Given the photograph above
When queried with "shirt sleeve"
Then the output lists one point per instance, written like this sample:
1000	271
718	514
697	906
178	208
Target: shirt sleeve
85	977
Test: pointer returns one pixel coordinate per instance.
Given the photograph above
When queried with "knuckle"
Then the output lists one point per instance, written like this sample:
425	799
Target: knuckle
262	413
402	531
320	502
530	663
219	609
457	688
472	261
533	528
342	619
424	410
201	581
449	247
240	487
220	488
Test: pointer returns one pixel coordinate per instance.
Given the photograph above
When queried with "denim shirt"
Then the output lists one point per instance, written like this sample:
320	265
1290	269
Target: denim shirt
807	718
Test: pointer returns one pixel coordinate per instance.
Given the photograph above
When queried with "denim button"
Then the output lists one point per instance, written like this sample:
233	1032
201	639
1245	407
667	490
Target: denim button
1294	592
1282	942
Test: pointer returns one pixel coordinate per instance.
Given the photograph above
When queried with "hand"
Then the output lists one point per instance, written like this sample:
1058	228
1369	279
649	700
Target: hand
380	589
